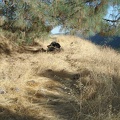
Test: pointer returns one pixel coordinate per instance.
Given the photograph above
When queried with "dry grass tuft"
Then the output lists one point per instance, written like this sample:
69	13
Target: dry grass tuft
80	82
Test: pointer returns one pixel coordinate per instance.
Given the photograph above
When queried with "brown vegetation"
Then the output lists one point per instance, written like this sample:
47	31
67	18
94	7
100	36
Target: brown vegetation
79	83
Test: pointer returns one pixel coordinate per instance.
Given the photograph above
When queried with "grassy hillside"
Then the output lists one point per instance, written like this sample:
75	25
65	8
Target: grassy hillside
82	82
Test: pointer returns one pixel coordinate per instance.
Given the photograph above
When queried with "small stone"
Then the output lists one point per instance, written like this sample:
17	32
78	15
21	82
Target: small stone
76	76
15	89
2	91
32	83
1	110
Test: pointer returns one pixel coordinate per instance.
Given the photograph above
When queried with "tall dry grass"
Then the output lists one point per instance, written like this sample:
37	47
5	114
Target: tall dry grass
79	83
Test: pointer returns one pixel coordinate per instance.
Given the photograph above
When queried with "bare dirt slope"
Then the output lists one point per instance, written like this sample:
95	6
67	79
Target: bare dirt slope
80	82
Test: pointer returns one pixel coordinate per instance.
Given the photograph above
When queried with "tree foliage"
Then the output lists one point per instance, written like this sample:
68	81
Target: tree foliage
23	17
85	16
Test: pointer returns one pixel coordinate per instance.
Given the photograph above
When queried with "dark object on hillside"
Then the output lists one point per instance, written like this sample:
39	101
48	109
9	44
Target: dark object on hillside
54	46
76	76
4	48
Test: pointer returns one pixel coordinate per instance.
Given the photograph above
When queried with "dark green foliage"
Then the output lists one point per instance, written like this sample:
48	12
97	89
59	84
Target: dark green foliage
86	16
24	19
40	16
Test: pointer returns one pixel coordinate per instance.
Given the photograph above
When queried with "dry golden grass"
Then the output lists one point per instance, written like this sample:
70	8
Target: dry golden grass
82	82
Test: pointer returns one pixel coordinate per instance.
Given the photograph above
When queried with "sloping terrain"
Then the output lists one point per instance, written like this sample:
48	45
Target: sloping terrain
79	83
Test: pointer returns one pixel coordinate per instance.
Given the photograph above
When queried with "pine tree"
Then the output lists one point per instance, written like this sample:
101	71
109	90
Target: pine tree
86	16
24	17
40	16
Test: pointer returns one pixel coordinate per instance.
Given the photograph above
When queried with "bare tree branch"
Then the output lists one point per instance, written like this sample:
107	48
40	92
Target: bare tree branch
113	21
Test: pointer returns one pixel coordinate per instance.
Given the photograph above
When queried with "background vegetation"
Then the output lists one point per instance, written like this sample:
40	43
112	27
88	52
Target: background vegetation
31	19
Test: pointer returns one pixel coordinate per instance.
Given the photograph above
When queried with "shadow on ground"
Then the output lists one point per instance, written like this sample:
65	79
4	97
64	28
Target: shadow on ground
74	97
58	97
6	114
67	103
